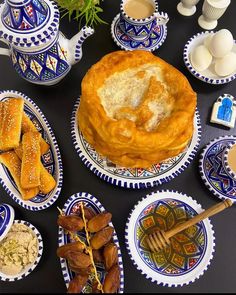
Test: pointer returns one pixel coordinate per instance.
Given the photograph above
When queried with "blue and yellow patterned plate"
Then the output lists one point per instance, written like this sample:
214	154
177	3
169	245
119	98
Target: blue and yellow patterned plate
212	169
72	206
51	160
136	178
190	251
155	40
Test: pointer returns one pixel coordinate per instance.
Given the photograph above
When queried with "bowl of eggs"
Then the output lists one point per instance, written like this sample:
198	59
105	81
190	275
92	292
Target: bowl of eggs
211	56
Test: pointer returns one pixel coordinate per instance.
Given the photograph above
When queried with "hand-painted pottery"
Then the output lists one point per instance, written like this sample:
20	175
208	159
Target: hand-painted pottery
136	178
51	160
213	170
71	207
154	40
40	53
190	251
7	215
209	75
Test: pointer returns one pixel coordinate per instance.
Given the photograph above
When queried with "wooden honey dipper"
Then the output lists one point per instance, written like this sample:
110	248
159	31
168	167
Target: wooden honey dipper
160	239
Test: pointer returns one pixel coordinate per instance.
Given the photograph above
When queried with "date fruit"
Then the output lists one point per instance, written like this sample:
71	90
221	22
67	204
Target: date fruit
78	259
97	256
99	221
77	284
110	254
70	222
102	237
112	280
74	246
81	271
88	213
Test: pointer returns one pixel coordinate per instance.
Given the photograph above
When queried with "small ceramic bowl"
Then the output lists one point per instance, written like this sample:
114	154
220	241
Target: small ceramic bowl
208	75
190	251
7	215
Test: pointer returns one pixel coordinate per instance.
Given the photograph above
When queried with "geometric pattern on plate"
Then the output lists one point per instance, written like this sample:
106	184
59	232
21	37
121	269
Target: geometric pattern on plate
72	206
190	251
212	169
136	178
153	42
51	160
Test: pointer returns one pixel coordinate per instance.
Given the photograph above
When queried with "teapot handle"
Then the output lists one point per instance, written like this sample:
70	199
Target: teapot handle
4	51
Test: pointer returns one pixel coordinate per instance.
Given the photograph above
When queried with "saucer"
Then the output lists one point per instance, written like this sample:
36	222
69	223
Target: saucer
190	252
135	178
212	170
155	40
209	76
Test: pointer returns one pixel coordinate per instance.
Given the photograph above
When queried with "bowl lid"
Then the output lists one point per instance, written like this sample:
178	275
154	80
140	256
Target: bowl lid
26	23
7	215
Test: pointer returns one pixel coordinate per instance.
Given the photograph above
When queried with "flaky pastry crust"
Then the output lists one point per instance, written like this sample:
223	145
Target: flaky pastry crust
131	128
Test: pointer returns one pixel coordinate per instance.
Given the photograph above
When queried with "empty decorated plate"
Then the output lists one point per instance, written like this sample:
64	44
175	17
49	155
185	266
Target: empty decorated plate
213	171
208	75
51	160
153	42
21	246
136	178
72	207
189	252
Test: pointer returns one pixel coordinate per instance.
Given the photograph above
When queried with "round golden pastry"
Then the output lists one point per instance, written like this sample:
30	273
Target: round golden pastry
136	109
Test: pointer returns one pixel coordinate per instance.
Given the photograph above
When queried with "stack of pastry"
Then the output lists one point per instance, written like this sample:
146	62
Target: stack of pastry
136	109
21	147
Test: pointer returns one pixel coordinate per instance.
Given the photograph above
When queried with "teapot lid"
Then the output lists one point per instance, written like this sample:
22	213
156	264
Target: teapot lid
26	23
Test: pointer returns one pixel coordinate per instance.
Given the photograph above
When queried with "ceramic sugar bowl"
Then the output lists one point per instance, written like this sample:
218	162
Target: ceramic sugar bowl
40	53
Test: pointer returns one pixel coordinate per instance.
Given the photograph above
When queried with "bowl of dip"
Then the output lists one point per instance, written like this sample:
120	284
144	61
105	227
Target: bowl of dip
21	246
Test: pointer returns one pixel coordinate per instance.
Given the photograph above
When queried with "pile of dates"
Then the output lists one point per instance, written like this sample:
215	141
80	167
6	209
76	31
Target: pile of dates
101	248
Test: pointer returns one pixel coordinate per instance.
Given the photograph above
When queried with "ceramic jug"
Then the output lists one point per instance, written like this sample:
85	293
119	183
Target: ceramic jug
40	53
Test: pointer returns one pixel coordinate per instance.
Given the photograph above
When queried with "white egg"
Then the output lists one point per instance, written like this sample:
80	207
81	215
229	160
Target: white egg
226	65
200	58
221	43
207	40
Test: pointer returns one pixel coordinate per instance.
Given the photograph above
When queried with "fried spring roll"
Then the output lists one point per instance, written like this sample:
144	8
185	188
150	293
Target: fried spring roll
13	164
10	123
30	166
27	125
47	182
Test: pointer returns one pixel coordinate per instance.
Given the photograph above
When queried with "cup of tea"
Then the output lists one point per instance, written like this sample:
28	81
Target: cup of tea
229	160
139	17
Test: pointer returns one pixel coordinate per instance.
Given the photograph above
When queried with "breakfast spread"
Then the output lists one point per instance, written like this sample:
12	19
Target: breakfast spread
18	249
129	112
22	154
96	248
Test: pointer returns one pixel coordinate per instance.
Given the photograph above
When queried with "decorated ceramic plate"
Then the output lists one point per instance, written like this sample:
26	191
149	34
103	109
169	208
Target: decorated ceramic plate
51	160
28	269
208	75
189	252
213	171
155	40
133	177
72	206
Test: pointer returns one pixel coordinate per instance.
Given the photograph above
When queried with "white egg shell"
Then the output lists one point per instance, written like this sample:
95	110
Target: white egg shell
207	40
200	58
221	43
226	65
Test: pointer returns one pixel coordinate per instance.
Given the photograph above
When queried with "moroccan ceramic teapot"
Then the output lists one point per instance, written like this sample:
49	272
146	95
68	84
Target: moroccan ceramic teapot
40	53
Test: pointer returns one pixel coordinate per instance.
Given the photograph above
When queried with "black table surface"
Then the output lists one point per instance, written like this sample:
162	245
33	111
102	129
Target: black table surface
56	102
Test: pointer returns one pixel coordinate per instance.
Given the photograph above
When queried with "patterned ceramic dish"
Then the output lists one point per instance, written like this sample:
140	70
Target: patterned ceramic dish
133	178
155	40
51	160
6	221
71	207
191	250
212	169
209	75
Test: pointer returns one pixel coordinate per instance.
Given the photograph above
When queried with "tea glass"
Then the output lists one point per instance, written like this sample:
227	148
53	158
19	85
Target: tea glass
212	10
140	29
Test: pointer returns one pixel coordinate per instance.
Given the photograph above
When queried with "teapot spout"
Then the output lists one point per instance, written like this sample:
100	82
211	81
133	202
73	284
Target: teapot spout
75	44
